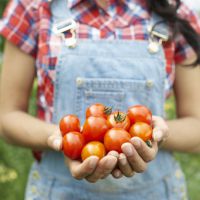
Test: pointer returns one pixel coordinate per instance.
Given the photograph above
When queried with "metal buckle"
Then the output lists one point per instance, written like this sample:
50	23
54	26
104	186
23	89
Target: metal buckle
157	34
155	40
64	26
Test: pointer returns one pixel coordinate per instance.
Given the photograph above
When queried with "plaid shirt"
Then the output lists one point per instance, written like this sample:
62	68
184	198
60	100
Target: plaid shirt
27	24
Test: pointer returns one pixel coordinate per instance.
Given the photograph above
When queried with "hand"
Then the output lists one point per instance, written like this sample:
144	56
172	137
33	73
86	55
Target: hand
137	154
92	169
54	141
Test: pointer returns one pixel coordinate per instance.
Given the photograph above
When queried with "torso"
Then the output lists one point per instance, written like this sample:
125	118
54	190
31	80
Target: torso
129	23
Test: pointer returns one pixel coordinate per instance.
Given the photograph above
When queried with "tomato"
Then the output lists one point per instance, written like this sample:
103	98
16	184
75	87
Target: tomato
119	120
73	143
69	123
98	110
142	130
95	128
140	113
93	148
114	138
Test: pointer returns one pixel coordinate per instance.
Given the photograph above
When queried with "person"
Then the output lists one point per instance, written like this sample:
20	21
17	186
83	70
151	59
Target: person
118	53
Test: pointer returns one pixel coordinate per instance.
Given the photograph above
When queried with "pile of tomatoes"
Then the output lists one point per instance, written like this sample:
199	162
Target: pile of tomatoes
104	130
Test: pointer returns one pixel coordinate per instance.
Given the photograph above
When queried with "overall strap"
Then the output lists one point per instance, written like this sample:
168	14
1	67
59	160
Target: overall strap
59	10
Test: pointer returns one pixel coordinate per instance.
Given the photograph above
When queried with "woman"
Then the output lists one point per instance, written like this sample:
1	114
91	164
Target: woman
114	52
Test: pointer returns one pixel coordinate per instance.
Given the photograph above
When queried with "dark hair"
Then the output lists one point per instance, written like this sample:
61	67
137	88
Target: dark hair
169	13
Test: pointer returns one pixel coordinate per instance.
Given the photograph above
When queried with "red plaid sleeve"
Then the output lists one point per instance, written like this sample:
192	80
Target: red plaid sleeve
19	25
183	49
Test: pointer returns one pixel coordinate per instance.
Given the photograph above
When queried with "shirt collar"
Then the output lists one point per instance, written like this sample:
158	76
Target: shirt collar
145	14
72	3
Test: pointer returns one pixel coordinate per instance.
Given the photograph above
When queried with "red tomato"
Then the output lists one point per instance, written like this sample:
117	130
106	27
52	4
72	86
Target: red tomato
140	113
73	143
98	110
119	120
69	123
95	128
93	148
142	130
114	138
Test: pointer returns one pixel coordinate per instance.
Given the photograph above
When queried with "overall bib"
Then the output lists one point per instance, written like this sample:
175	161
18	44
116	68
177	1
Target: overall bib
117	73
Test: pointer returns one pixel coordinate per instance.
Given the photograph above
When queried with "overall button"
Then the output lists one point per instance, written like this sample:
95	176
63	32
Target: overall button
149	83
79	82
153	47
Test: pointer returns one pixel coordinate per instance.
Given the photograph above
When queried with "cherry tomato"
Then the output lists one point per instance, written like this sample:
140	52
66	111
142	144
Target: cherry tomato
142	130
119	120
95	128
114	138
69	123
140	113
73	143
98	110
93	148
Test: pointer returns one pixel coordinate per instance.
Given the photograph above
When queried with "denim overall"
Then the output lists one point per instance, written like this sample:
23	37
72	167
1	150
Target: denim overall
117	73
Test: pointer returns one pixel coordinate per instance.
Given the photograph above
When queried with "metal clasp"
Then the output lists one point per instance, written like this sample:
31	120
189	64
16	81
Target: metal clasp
154	33
64	26
156	39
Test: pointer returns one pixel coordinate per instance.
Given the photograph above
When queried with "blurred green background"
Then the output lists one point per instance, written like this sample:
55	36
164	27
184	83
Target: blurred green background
15	161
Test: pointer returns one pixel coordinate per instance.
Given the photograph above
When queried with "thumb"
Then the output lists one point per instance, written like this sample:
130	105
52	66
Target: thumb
54	141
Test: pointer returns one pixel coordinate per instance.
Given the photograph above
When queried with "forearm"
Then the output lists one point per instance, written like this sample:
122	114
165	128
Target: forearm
184	135
20	128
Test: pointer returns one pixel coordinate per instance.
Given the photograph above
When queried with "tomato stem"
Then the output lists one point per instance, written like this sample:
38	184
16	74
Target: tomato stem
107	110
119	117
149	143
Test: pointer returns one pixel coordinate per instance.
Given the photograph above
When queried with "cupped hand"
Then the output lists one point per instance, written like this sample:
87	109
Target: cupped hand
136	154
92	169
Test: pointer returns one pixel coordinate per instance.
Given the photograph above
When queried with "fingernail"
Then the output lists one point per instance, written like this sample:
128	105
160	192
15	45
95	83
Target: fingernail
136	142
128	150
92	163
57	144
117	174
123	161
113	153
111	161
157	135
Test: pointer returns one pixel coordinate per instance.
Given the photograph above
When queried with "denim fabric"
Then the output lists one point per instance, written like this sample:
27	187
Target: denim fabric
119	74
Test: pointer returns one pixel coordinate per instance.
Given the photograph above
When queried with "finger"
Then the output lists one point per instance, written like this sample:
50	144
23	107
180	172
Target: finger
81	170
136	162
55	141
111	153
145	152
104	168
116	173
124	166
161	130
